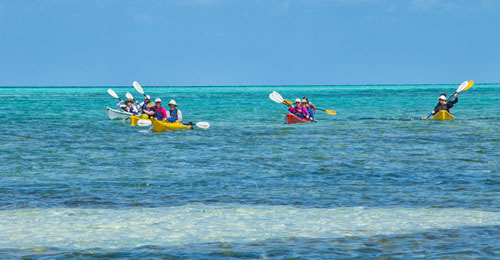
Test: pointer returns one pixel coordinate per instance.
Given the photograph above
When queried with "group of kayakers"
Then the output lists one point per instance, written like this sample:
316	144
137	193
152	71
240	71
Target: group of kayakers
148	110
303	109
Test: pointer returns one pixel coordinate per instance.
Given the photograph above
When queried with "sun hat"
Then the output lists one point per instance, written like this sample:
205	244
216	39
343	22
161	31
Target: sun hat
442	97
304	101
172	102
129	100
148	97
158	100
297	100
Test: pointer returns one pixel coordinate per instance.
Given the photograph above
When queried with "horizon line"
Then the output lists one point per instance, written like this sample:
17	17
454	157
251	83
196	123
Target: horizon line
264	85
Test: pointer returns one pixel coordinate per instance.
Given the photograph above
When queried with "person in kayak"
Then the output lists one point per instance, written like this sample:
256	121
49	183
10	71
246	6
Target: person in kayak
311	108
157	111
174	114
299	110
128	106
144	104
443	104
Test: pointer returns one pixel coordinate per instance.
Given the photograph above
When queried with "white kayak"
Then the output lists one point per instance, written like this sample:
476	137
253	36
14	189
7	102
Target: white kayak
115	114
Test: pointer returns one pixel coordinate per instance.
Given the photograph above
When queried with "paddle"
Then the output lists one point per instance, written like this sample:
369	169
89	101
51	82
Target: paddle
143	122
276	97
328	111
463	87
138	87
204	125
113	94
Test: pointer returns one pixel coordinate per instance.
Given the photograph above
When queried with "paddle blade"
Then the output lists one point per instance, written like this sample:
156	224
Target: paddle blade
138	87
204	125
275	98
128	95
278	96
287	102
331	112
113	93
471	83
462	86
143	122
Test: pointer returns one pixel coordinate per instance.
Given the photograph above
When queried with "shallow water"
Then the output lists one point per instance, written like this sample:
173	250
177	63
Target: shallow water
372	181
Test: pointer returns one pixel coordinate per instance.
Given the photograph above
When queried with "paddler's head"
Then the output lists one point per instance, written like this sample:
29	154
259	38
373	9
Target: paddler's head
172	104
297	102
304	102
129	102
158	102
442	99
147	99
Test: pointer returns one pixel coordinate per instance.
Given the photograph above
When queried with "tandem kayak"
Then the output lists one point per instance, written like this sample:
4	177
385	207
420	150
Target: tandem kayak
443	115
293	119
161	126
115	114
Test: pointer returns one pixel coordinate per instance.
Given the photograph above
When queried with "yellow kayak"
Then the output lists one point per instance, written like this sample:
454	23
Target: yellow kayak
135	119
161	126
443	115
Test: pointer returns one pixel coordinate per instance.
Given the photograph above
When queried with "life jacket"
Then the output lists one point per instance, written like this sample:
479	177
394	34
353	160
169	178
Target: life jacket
158	113
173	115
131	109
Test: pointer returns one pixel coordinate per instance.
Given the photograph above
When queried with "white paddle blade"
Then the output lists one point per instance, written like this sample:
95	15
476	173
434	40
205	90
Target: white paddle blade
138	87
113	93
462	86
204	125
278	96
128	95
273	98
144	122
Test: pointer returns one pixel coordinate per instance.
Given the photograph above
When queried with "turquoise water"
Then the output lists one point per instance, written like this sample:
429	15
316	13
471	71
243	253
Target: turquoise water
373	181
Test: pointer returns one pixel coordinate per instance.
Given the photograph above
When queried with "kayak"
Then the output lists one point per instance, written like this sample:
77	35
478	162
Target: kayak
135	119
293	119
443	115
115	114
161	126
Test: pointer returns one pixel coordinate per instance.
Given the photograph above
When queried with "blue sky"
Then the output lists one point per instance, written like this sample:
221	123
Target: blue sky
248	42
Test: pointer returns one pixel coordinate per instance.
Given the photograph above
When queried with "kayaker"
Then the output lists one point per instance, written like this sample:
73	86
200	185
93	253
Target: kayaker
174	114
157	111
306	111
443	104
144	104
299	110
128	106
311	108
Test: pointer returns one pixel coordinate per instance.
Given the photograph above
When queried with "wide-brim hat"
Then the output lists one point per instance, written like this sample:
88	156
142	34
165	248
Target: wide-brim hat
172	102
129	100
158	100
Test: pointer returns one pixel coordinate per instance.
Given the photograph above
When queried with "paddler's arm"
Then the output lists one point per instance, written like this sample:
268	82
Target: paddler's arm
179	116
454	101
436	109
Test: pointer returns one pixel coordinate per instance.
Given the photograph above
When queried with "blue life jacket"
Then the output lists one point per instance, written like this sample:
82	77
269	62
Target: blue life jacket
173	114
310	112
158	113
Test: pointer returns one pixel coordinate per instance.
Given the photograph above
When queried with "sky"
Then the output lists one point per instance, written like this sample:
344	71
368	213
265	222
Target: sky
248	42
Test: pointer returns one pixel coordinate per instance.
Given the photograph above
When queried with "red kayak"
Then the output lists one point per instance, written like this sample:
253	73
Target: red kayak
293	119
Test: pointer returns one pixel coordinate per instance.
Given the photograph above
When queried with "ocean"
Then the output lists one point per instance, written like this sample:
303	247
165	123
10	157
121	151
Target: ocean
372	181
